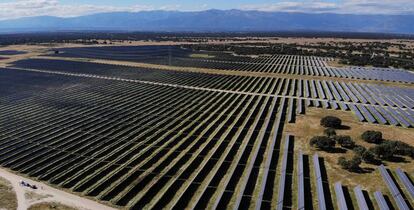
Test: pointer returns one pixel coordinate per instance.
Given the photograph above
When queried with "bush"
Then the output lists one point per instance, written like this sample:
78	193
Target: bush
331	122
384	150
345	141
350	165
404	149
372	137
330	132
322	142
368	157
359	150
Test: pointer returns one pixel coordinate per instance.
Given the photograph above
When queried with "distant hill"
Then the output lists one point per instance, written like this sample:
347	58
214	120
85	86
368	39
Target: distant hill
217	20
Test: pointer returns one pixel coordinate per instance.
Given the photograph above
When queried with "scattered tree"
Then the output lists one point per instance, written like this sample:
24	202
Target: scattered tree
331	122
330	132
368	157
385	150
322	142
345	141
372	137
350	165
359	150
402	148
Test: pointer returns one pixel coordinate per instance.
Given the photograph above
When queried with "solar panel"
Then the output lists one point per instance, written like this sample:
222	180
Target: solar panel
336	93
321	90
358	114
391	120
376	114
341	91
400	119
340	197
319	184
300	106
343	106
406	182
328	91
291	111
396	194
366	113
316	103
362	203
383	205
334	105
282	179
301	181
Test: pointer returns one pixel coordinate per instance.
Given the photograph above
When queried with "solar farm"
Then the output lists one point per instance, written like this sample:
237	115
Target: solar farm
154	127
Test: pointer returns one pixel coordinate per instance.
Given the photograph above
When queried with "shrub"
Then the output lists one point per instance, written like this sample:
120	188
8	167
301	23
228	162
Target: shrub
359	150
322	142
344	141
331	122
343	162
350	165
368	156
372	137
384	150
330	132
402	148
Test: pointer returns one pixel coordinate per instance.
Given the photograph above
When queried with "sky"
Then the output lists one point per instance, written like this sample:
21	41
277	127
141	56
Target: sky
70	8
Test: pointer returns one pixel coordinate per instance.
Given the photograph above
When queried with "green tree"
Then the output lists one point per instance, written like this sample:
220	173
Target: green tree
329	132
331	122
350	165
322	142
372	137
345	141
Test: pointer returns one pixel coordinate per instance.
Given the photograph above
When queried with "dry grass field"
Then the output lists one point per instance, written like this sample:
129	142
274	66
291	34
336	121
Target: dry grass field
50	206
8	199
308	125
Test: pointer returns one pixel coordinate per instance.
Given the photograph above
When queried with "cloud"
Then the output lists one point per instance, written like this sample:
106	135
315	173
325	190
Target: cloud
342	7
27	8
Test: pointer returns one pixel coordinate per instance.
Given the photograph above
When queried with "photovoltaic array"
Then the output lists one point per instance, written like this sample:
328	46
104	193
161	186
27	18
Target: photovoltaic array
152	138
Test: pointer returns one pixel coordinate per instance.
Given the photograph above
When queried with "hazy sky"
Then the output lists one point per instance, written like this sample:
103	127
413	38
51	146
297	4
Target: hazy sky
68	8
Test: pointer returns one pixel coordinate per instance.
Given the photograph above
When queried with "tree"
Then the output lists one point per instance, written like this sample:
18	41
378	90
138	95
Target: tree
322	142
343	162
344	141
329	132
359	150
372	137
331	122
384	150
402	148
350	165
368	156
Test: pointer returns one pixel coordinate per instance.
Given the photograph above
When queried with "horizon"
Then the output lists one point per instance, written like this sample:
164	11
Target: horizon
63	8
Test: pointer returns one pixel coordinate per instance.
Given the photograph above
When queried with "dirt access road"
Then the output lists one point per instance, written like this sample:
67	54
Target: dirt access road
27	197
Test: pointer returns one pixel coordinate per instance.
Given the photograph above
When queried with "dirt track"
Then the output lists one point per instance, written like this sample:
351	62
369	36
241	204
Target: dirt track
45	193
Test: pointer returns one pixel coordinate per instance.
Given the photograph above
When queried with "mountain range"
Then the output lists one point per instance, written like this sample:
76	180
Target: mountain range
215	21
